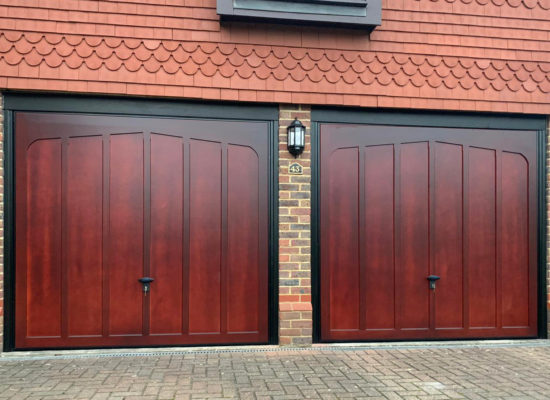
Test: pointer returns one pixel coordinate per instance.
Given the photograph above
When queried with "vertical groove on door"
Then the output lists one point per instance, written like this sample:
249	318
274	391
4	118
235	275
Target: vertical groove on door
43	239
223	253
482	242
465	235
515	234
432	268
343	252
205	234
243	287
378	239
105	240
415	236
64	241
498	230
147	229
126	247
396	232
535	291
362	230
185	262
447	236
166	257
83	234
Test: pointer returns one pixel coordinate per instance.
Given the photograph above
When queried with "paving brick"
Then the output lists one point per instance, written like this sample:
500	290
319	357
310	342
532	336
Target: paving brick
463	371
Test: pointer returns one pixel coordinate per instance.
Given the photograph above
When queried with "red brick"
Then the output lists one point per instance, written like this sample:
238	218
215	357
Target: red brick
288	298
285	340
290	332
301	306
284	306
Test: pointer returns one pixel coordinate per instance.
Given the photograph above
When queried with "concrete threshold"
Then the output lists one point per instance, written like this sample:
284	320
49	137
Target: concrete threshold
320	347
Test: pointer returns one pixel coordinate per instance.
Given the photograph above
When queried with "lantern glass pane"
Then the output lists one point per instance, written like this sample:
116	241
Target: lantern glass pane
291	137
302	136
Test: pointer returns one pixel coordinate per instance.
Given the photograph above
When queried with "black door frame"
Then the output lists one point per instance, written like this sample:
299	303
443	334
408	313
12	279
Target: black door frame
40	102
326	115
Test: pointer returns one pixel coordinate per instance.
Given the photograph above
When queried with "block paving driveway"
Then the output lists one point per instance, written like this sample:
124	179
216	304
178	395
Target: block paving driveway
465	370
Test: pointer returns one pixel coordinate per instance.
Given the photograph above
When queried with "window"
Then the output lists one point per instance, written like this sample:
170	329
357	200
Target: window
360	13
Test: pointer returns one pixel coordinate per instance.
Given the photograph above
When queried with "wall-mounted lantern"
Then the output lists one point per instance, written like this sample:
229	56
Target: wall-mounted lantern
296	138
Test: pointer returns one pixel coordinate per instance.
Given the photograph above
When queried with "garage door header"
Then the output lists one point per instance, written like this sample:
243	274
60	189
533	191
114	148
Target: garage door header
146	107
443	119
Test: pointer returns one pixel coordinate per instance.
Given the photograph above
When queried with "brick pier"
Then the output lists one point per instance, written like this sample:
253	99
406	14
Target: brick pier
295	315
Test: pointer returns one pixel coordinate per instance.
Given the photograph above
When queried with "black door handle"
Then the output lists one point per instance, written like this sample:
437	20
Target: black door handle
433	279
146	282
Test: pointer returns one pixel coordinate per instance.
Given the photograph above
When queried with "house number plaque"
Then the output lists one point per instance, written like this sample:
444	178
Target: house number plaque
295	169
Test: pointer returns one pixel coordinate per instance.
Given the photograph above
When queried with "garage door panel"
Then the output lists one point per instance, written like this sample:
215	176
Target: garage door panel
463	208
43	202
448	235
84	235
342	208
126	210
106	200
378	240
482	238
515	239
166	257
413	262
243	280
205	237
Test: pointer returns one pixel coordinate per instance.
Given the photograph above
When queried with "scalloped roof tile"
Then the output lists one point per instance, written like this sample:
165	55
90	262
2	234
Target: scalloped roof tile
333	66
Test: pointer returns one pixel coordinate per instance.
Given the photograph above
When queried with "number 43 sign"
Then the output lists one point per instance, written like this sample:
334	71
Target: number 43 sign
295	169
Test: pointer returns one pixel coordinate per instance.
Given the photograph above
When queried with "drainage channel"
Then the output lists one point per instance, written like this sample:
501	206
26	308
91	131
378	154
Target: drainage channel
354	347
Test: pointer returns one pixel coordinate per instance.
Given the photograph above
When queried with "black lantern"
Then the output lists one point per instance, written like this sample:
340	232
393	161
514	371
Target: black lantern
296	138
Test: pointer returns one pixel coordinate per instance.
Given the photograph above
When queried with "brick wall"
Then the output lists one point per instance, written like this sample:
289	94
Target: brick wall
295	315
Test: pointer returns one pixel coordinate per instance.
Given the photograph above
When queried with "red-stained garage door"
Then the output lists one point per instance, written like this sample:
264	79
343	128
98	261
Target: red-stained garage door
102	201
401	204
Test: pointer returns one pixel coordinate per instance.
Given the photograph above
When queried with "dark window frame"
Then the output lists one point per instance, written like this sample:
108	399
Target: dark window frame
365	14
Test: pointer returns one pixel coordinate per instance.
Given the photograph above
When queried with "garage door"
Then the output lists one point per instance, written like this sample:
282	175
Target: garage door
427	232
105	202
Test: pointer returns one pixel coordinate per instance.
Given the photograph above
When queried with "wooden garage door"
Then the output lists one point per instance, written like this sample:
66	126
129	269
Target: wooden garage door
398	204
102	201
